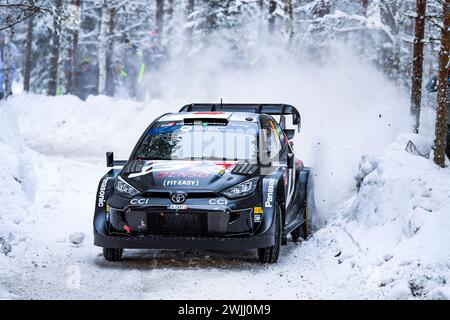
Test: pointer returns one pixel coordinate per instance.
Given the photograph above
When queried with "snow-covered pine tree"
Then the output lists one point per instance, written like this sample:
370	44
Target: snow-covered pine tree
28	62
103	48
417	63
442	88
54	55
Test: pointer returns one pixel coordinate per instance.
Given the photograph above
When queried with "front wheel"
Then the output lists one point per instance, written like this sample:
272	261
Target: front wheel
270	254
112	254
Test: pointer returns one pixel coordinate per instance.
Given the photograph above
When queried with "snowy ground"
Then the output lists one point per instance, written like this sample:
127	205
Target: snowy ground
387	239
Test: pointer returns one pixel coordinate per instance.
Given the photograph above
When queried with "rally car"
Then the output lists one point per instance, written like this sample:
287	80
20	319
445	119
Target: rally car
212	176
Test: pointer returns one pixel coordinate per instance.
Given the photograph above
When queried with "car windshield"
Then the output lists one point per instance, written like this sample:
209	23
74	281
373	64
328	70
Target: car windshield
201	140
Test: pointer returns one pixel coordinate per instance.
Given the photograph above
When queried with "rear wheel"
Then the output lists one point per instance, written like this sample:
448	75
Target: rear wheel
112	254
270	254
302	231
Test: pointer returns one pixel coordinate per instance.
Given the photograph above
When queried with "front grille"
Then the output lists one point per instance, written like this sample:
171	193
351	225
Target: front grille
171	223
188	223
181	224
156	194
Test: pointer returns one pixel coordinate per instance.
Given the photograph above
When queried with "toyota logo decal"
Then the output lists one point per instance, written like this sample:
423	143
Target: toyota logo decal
178	198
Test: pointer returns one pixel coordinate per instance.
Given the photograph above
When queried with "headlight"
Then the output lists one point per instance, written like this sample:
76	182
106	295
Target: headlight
242	189
125	189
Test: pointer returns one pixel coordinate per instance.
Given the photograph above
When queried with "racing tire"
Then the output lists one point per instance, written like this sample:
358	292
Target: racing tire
112	254
302	231
271	254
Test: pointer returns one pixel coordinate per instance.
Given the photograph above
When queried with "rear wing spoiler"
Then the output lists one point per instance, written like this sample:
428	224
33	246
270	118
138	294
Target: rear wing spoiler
267	108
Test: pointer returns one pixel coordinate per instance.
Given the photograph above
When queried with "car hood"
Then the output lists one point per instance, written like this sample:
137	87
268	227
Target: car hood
169	175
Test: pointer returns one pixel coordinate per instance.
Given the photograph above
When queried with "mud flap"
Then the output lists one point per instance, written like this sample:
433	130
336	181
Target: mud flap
313	220
303	184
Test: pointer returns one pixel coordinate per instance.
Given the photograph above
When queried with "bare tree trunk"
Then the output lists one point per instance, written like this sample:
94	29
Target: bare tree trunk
74	49
170	10
261	18
442	86
109	56
189	30
102	50
28	54
396	47
365	4
112	27
289	18
7	66
169	17
272	17
159	16
54	55
417	66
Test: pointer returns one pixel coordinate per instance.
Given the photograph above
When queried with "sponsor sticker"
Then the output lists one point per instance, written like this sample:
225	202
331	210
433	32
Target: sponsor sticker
258	210
101	192
186	128
270	191
185	183
185	174
177	206
220	201
257	218
140	201
168	124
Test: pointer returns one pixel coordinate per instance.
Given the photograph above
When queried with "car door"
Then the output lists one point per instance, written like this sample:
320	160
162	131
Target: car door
279	149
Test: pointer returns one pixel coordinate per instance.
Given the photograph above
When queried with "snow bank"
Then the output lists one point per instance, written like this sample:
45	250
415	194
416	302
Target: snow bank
69	126
393	233
15	175
16	180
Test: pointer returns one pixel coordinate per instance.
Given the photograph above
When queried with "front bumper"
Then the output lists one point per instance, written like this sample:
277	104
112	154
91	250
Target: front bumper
172	242
104	238
227	227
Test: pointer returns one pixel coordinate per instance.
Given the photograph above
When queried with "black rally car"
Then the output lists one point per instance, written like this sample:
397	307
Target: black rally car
213	176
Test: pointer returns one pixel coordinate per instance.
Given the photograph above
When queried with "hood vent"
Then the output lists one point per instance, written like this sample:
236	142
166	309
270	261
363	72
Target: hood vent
245	168
134	166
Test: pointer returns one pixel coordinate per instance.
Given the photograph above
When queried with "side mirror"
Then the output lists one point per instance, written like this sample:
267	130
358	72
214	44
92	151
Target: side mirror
110	159
290	133
110	162
290	160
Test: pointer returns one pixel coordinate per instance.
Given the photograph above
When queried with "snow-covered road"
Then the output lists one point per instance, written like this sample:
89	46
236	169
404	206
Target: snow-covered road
49	266
378	244
56	190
